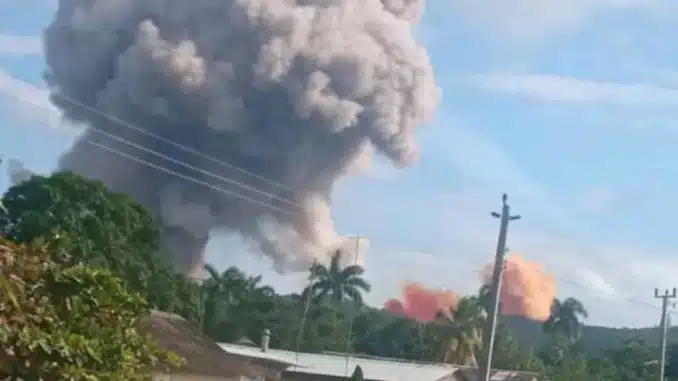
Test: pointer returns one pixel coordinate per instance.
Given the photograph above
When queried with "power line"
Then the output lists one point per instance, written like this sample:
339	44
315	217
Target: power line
225	164
187	178
168	158
182	163
596	293
143	131
170	142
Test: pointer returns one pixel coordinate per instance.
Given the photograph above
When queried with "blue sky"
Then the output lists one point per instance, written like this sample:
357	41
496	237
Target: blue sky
566	105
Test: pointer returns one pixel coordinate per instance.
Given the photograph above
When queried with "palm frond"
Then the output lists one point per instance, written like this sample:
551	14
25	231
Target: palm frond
576	307
359	283
212	271
321	294
319	271
233	274
355	295
351	271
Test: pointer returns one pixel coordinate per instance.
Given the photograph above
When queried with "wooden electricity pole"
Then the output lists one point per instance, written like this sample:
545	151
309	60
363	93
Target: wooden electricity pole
491	327
663	326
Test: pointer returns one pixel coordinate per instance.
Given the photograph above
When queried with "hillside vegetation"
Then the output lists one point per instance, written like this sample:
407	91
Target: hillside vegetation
594	339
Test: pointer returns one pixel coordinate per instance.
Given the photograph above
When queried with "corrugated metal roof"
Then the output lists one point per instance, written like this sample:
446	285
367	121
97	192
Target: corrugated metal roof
328	364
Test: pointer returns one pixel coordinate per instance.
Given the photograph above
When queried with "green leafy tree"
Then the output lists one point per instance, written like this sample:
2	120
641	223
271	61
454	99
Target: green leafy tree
249	305
570	368
99	229
566	319
68	322
671	370
336	283
235	305
398	337
508	354
634	360
213	295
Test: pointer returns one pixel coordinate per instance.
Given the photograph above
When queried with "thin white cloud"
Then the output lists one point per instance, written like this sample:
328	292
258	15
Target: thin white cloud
554	88
596	282
521	21
11	45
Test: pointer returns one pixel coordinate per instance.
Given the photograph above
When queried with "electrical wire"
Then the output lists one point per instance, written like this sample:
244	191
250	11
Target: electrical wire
143	131
188	178
200	170
229	180
180	146
176	161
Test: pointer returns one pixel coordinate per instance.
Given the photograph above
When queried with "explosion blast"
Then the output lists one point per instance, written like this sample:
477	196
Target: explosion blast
297	92
527	290
422	304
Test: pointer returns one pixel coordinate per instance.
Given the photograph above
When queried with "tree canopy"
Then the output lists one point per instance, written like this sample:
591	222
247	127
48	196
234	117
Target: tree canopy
70	322
336	283
99	229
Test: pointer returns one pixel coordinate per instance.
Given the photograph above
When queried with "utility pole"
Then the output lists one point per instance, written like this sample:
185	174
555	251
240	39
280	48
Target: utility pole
490	329
663	326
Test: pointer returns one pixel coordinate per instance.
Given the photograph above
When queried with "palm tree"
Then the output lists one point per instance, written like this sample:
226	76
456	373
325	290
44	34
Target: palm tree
217	288
464	330
223	290
336	283
565	319
233	303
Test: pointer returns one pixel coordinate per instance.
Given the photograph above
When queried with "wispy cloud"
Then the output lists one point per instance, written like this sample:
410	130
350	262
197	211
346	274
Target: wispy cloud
11	45
554	88
530	21
596	282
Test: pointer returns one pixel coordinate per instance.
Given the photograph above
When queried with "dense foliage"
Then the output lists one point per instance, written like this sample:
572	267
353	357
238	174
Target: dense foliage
101	231
62	322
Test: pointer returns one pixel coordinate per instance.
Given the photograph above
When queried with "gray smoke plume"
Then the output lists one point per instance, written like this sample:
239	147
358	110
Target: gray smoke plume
17	171
296	91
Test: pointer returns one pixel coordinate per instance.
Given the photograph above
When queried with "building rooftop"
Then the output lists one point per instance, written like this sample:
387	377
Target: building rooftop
374	368
202	355
339	365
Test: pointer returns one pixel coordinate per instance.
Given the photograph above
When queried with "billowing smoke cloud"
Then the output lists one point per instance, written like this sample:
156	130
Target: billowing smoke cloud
422	304
527	290
298	92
